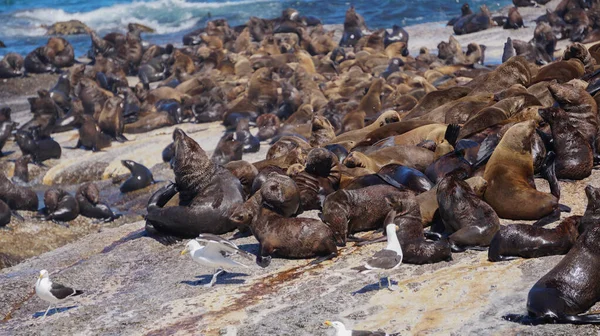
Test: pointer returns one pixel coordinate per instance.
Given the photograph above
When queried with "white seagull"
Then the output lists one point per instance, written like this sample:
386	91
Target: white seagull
52	292
214	253
341	330
390	257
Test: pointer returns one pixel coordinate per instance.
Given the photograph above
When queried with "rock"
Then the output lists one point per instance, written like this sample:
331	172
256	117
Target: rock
72	27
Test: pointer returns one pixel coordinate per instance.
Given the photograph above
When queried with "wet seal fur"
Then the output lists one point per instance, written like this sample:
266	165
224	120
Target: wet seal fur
207	194
568	289
140	178
88	197
60	206
528	241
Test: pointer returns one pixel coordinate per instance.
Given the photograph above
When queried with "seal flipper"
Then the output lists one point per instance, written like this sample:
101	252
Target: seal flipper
553	319
451	134
17	215
372	241
548	172
486	149
550	218
121	138
323	258
159	236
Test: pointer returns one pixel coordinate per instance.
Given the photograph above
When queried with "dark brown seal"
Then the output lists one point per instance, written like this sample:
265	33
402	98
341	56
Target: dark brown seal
207	194
110	119
11	66
569	289
351	211
318	179
5	214
280	236
60	206
574	156
39	149
228	149
591	216
88	197
528	241
90	136
21	173
514	20
245	172
416	249
17	198
467	218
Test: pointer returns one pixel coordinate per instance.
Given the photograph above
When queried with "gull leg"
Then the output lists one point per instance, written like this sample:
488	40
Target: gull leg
390	286
379	278
214	277
47	310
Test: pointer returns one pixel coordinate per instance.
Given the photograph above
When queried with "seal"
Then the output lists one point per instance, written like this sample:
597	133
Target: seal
277	235
88	198
514	20
592	211
90	136
207	193
17	198
60	206
410	156
474	22
5	214
568	289
39	149
319	178
168	152
509	173
11	66
245	172
243	135
140	178
21	174
467	218
386	118
37	61
416	249
528	241
268	125
574	154
263	175
403	176
6	129
228	149
110	119
350	211
464	11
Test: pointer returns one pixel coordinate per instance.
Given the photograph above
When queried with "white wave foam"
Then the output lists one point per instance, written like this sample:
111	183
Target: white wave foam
165	16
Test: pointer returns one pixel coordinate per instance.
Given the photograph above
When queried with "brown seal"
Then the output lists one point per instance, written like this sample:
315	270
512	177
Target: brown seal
11	66
88	197
90	136
5	214
228	149
110	119
467	218
268	125
207	194
568	289
410	156
592	211
528	241
416	249
415	136
60	206
278	235
386	118
391	130
245	172
351	211
509	173
21	173
514	20
574	156
318	179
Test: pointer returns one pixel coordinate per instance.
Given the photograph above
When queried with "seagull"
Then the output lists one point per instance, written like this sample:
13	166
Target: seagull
390	257
52	292
214	253
341	330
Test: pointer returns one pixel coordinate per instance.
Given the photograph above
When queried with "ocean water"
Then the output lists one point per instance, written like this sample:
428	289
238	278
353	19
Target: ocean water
21	20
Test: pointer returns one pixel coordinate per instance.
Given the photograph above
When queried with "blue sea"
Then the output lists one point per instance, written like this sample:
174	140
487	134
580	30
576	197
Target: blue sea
20	20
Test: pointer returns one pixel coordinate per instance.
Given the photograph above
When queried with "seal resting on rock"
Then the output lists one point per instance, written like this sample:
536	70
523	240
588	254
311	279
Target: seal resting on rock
207	193
88	197
140	178
528	241
60	206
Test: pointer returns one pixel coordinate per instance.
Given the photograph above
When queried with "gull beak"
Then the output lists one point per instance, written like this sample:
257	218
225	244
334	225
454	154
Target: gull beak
39	276
184	252
328	323
397	227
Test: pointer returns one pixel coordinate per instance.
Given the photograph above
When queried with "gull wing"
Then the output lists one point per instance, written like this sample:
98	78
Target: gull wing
222	245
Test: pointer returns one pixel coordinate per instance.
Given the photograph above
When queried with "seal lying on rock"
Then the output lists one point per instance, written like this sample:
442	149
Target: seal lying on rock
207	193
88	197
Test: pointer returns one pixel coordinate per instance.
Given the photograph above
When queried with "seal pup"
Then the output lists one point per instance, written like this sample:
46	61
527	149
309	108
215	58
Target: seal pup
390	257
569	289
21	174
207	193
39	149
245	172
509	173
228	149
90	135
60	206
88	198
52	292
293	237
140	178
243	135
470	221
528	241
110	119
11	66
214	254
